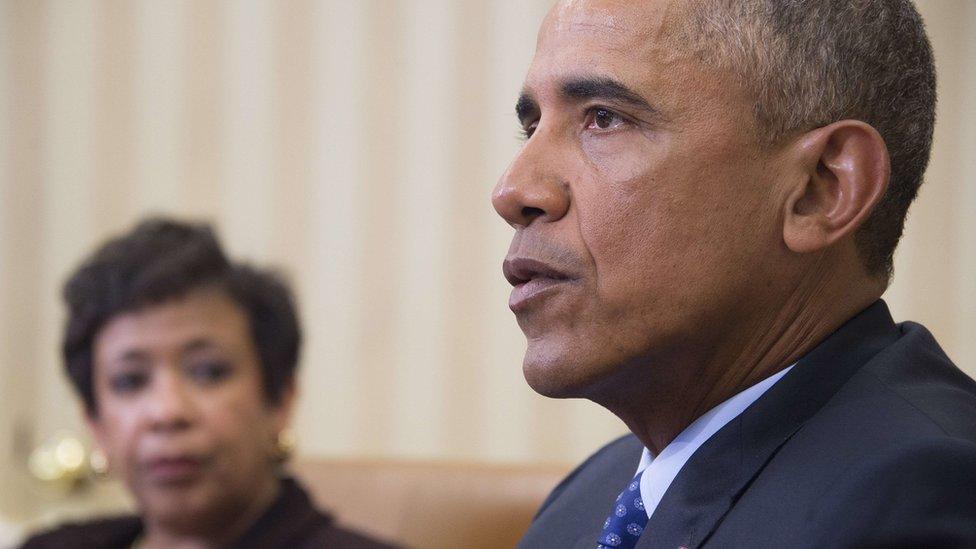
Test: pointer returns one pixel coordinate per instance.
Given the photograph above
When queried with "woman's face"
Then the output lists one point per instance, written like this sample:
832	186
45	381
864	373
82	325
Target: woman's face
181	413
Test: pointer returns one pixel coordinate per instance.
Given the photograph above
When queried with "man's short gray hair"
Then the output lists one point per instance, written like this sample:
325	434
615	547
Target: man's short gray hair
809	63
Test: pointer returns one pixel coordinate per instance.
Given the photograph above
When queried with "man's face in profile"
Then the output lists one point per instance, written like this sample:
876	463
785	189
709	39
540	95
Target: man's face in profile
641	200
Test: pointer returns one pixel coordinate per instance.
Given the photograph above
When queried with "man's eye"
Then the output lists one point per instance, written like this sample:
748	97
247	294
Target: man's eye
604	119
528	130
128	382
209	373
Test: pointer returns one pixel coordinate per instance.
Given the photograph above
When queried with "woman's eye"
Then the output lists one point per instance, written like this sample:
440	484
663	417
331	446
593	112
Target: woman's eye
604	119
127	382
209	372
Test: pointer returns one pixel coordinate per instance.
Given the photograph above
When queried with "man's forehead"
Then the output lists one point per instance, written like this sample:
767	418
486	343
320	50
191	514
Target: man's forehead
637	18
611	35
630	41
645	47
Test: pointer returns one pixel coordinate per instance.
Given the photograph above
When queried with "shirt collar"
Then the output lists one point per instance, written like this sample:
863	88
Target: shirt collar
659	471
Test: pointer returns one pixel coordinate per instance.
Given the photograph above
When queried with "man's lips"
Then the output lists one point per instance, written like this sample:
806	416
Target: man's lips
531	278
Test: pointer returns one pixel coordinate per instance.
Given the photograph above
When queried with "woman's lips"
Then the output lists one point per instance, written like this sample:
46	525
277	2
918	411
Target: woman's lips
174	470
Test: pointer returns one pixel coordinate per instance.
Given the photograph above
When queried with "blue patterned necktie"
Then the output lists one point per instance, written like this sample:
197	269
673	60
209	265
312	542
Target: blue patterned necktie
626	524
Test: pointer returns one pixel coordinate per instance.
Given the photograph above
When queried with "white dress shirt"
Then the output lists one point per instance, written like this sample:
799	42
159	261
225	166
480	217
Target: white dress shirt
660	471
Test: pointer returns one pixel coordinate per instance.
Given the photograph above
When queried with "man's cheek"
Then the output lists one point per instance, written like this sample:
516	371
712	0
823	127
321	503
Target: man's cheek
617	160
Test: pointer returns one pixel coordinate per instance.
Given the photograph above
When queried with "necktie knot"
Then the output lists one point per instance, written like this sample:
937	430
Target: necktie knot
626	522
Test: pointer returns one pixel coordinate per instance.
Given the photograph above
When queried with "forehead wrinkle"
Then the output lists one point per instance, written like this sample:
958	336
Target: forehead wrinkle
585	17
643	29
578	12
651	18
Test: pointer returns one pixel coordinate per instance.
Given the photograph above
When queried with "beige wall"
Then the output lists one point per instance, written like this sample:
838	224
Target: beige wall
354	143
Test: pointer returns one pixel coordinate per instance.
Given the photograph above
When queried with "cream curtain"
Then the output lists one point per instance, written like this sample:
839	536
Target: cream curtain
353	143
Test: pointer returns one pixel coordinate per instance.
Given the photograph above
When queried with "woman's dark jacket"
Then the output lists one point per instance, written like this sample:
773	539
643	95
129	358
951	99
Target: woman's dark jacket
291	522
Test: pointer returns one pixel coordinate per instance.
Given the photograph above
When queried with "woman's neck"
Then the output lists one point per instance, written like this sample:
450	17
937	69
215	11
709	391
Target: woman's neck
217	529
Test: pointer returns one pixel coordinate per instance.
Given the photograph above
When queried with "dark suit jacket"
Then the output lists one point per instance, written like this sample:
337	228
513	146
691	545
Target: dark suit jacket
290	523
869	441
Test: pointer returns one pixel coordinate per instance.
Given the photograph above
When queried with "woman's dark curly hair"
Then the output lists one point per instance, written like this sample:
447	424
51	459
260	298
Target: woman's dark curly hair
163	259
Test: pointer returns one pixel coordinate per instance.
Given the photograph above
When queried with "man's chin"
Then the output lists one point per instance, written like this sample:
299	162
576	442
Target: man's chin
556	375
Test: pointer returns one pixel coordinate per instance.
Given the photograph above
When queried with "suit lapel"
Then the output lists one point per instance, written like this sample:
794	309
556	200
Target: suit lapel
721	470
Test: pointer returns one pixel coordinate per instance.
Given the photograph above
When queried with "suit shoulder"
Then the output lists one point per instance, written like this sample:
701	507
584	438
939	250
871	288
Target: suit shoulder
923	491
920	492
624	447
899	406
919	387
625	450
578	505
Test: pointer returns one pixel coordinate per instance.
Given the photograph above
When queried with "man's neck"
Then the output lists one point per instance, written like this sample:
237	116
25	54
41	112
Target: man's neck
658	406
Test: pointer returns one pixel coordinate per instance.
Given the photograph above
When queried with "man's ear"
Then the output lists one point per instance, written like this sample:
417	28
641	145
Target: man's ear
845	171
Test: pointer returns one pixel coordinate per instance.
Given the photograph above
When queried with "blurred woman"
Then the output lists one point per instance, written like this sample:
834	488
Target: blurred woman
185	362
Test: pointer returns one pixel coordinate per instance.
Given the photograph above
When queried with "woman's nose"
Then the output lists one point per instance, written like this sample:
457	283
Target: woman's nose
170	405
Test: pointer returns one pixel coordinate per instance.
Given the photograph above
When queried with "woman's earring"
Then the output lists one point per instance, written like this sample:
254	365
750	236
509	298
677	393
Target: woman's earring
98	464
284	445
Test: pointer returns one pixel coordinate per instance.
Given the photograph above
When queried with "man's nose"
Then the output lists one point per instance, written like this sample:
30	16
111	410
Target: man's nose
170	405
531	189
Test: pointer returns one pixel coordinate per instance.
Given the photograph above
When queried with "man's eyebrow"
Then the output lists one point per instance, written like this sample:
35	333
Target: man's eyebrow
604	88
